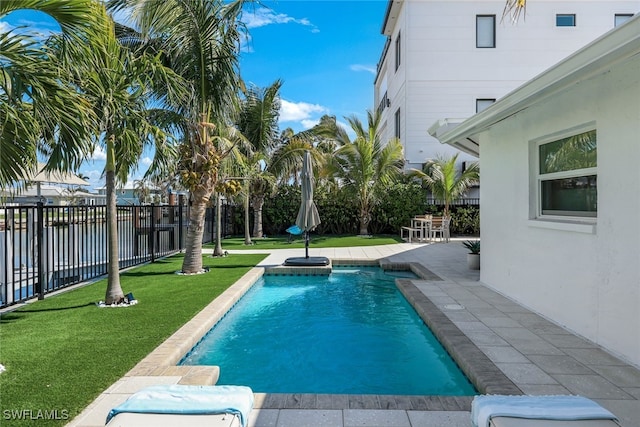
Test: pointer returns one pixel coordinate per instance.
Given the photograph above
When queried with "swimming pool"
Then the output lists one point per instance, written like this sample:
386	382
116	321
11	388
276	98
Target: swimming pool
351	332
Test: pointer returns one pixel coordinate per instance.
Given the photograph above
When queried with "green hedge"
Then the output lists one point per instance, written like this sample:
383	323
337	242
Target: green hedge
339	211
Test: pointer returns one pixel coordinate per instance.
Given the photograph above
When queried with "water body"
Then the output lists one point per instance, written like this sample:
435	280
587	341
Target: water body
348	333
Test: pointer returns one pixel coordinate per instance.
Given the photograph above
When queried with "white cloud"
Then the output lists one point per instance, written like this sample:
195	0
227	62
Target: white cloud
98	154
362	67
5	27
263	16
146	161
299	111
308	124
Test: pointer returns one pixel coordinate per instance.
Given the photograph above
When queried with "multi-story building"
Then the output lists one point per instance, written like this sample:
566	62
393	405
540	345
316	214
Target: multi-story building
449	59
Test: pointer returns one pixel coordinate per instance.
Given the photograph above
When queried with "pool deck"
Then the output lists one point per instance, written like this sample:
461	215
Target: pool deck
508	348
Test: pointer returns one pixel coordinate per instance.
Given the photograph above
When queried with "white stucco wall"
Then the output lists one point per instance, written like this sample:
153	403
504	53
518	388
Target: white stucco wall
584	277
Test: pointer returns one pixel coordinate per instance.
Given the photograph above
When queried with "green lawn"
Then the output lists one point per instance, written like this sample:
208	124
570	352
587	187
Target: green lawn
282	242
62	352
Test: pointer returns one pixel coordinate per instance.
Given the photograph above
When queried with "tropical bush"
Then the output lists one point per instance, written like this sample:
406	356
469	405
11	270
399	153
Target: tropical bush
339	211
397	205
465	220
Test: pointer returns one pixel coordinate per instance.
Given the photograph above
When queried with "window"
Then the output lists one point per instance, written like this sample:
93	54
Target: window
483	103
621	18
566	20
567	176
397	124
486	31
398	51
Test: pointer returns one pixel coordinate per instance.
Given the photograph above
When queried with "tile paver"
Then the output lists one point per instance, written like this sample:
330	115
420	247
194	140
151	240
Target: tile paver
536	355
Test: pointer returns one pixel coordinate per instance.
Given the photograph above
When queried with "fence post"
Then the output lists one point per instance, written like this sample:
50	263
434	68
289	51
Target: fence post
152	232
39	243
180	225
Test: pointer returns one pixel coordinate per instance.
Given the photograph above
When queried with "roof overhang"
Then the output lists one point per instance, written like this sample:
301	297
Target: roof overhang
55	177
391	17
614	47
443	126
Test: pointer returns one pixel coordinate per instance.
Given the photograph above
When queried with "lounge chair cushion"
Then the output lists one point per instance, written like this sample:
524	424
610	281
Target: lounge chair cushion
189	400
523	422
560	408
127	419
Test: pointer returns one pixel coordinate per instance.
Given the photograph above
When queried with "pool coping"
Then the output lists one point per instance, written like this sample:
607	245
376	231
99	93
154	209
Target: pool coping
483	373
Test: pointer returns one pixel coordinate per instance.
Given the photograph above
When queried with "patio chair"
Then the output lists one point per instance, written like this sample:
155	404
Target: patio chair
294	230
185	405
539	411
440	227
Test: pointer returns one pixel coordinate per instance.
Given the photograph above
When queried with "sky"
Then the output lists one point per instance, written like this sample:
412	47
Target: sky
324	51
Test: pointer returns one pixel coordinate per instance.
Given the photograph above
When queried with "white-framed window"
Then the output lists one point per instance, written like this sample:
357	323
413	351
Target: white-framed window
485	31
566	20
567	176
398	51
621	18
484	103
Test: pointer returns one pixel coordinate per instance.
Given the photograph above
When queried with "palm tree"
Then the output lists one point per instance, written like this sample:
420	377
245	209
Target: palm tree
141	189
40	109
366	164
258	122
200	41
120	87
444	181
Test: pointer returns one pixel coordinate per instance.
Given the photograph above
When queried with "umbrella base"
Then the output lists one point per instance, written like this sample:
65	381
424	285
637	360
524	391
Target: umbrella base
313	261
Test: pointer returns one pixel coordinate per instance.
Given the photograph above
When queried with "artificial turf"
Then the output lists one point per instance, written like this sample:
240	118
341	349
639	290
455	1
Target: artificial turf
284	242
62	352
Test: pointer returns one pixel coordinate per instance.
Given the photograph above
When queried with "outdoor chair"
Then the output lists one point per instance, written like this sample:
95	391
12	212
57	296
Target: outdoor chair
423	224
440	228
539	411
294	230
185	405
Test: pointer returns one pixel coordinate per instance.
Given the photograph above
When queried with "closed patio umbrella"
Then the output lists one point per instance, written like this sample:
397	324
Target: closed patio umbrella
308	217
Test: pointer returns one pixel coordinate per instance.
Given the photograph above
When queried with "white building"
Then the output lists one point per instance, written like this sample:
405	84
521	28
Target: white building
561	195
452	58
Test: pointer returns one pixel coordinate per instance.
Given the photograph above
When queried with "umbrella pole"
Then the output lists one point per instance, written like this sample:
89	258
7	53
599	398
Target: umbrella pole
306	244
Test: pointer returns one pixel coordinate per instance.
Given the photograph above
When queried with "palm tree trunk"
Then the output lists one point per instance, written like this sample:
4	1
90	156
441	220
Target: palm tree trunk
114	292
192	262
258	203
247	232
218	249
364	222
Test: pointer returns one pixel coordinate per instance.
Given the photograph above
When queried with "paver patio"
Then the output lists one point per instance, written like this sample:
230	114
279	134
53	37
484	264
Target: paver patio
536	355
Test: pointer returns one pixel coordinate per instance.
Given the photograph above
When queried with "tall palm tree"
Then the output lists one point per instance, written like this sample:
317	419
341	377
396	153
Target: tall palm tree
120	88
258	122
366	164
39	108
443	180
200	41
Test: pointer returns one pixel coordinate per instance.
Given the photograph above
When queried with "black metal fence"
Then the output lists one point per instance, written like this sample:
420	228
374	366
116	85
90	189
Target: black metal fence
46	248
464	201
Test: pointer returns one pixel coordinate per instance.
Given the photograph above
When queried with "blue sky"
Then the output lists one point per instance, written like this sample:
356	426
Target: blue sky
324	51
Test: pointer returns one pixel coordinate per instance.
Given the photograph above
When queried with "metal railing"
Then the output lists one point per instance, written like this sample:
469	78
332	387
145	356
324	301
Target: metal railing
466	201
46	248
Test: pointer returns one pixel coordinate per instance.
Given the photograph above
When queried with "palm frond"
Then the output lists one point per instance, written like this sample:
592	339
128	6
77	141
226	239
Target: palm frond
514	9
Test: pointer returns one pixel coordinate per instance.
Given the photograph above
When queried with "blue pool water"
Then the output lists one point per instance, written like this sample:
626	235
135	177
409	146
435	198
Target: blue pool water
348	333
